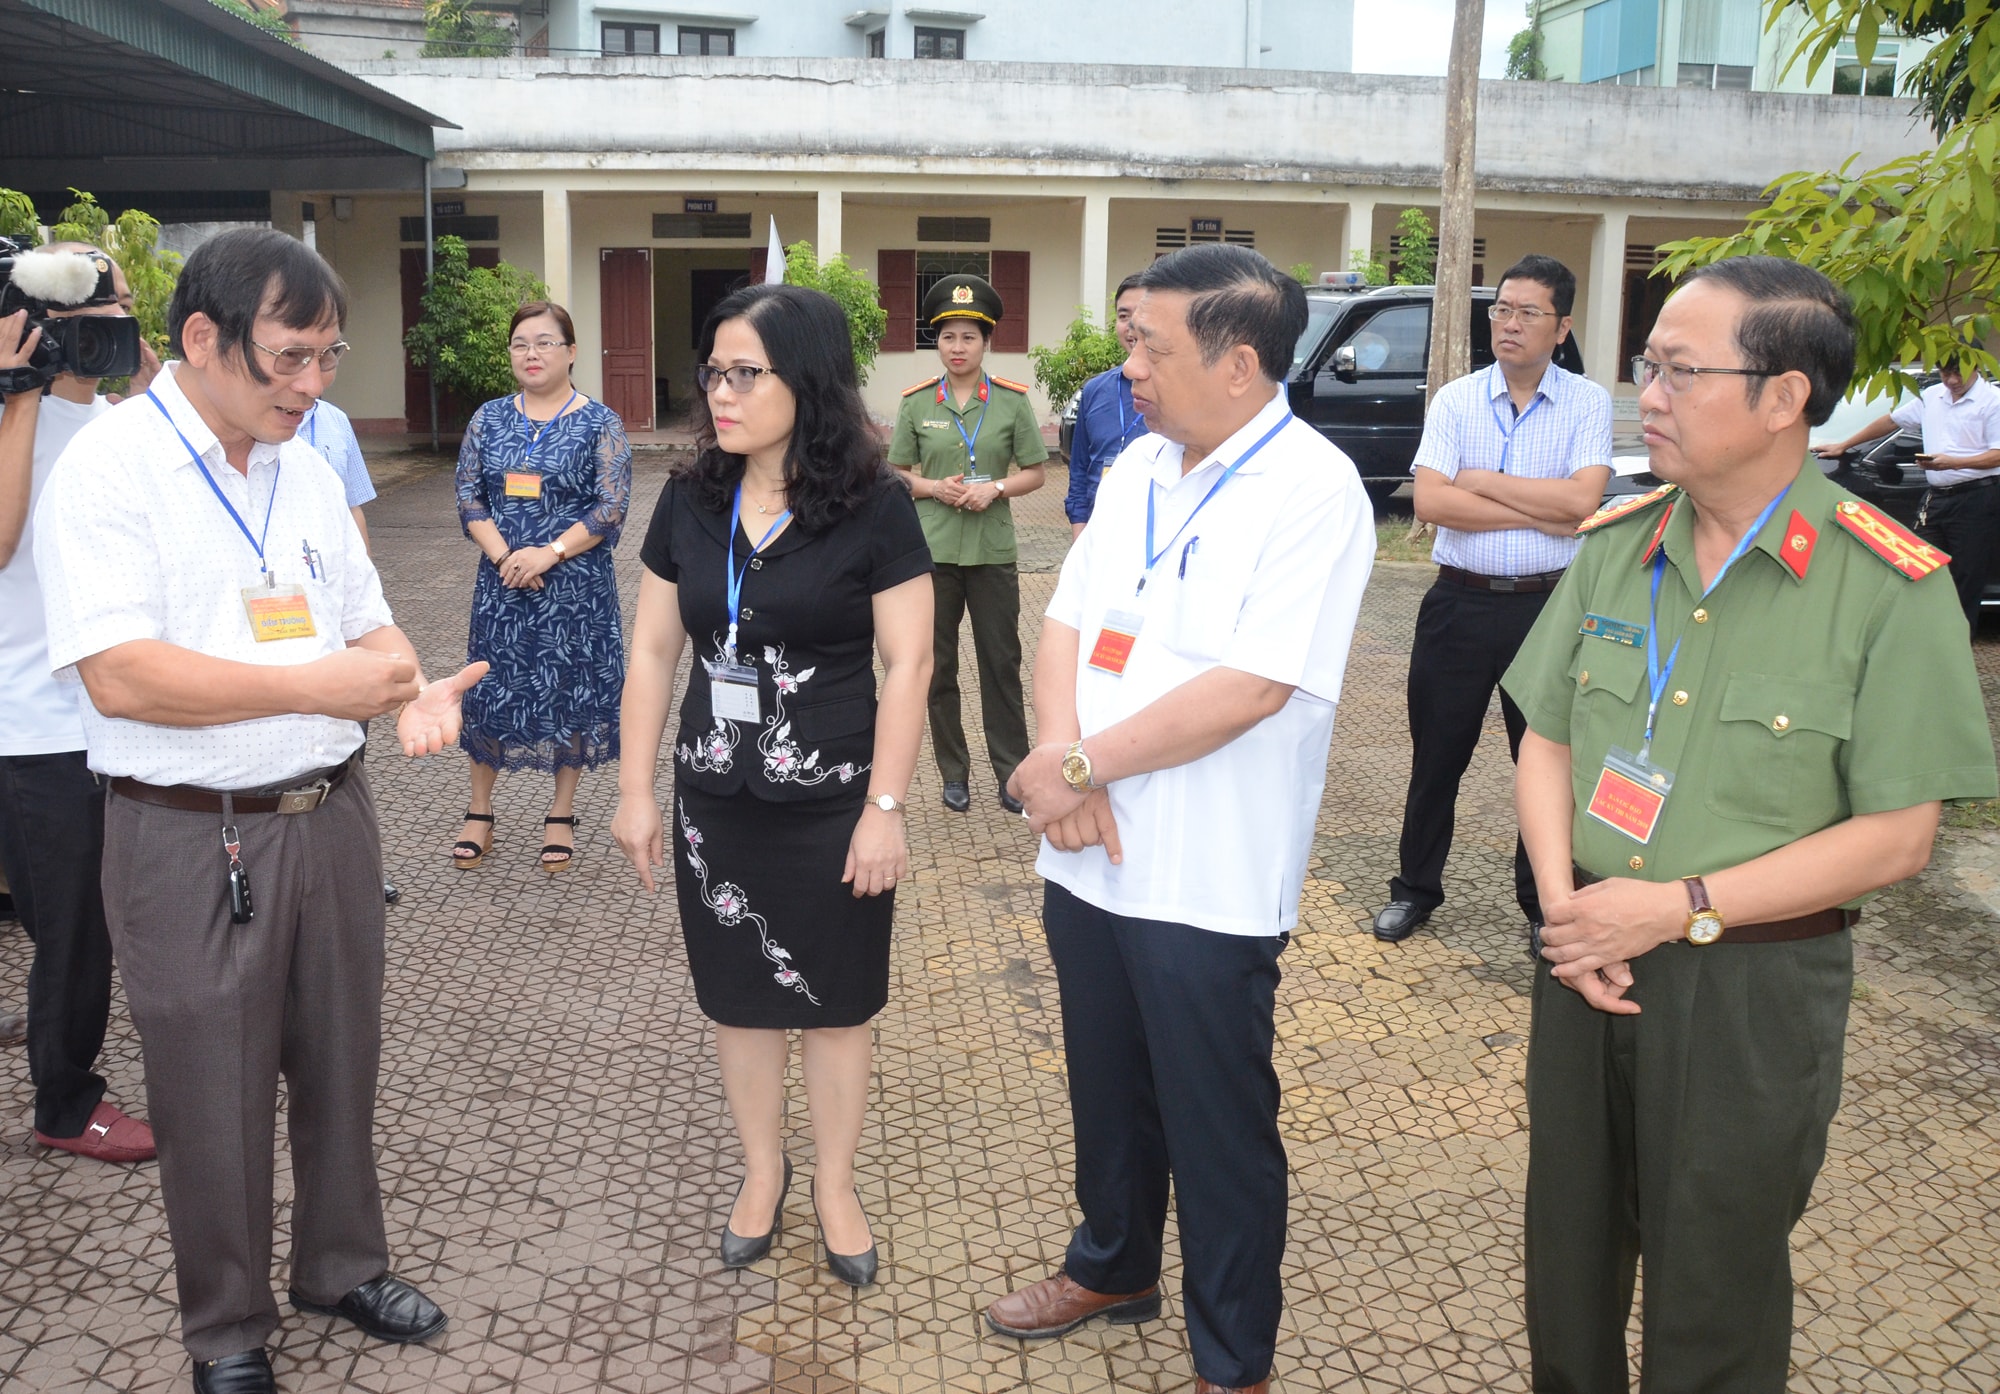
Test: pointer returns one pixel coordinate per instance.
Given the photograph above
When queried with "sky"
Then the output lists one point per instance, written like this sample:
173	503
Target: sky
1414	36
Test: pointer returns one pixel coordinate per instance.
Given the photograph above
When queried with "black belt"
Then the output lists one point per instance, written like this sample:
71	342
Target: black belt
1964	485
307	794
1505	585
1812	926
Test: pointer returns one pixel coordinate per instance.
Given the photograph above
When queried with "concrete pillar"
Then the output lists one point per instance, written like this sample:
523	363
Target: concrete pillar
556	256
1604	309
1094	284
1667	60
826	244
1359	232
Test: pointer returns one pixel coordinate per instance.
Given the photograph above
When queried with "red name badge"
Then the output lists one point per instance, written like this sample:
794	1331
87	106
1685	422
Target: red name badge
1630	794
1114	642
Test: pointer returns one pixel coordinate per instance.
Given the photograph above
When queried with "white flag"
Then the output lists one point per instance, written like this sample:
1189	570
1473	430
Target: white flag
774	260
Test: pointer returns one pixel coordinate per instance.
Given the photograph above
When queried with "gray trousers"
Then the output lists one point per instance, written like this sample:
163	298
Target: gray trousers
222	1011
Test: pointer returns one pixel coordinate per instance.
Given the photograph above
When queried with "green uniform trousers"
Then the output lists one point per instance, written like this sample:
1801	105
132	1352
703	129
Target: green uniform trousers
1690	1135
993	595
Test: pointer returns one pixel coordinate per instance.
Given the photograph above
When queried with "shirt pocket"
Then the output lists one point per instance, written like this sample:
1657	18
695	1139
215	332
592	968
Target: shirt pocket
1607	709
829	721
1777	751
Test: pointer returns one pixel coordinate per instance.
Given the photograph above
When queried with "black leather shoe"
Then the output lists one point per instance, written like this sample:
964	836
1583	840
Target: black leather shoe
1398	920
1010	803
385	1308
247	1372
958	796
856	1270
390	895
738	1252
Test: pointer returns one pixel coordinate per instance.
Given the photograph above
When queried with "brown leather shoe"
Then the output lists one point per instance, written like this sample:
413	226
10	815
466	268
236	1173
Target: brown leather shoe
1202	1386
1059	1304
109	1136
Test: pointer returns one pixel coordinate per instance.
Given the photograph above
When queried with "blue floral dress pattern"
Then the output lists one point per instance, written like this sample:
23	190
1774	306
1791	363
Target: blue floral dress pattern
558	654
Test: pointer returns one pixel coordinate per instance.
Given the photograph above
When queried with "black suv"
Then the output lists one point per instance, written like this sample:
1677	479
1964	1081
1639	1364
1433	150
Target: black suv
1359	371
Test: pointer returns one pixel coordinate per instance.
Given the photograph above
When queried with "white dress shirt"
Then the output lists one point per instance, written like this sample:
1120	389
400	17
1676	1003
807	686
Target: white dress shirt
1266	578
1968	426
132	543
328	430
41	714
1472	426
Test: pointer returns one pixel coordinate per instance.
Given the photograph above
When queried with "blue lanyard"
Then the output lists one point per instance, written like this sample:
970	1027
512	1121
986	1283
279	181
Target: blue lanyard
1121	393
971	456
1152	493
732	575
536	439
1657	676
272	507
1507	432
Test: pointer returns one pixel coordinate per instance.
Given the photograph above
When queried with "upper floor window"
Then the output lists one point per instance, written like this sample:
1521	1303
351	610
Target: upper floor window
940	43
707	43
878	44
1876	79
631	38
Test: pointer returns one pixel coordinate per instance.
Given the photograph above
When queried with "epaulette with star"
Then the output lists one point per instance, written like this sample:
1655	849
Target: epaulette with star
1011	385
1889	539
1612	512
927	382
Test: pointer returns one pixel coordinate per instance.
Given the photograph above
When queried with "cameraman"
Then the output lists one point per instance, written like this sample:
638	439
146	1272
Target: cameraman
51	806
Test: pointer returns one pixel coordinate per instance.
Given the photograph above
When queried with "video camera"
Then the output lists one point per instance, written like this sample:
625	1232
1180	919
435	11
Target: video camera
89	346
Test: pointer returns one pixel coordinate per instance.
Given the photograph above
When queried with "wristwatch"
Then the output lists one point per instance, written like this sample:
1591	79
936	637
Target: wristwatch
887	803
1704	924
562	553
999	486
1076	769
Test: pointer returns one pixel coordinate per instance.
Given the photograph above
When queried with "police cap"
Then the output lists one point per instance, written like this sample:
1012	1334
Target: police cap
962	297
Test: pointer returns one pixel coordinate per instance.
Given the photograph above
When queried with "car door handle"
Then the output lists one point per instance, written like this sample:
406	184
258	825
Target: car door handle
1421	389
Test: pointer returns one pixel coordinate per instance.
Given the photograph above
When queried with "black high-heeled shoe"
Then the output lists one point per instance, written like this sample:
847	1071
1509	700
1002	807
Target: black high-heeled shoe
738	1252
856	1270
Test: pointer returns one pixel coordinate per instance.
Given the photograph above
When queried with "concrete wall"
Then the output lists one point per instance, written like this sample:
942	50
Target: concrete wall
342	31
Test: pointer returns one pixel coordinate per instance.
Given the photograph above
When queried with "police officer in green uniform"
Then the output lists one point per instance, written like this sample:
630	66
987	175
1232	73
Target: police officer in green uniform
1745	704
957	437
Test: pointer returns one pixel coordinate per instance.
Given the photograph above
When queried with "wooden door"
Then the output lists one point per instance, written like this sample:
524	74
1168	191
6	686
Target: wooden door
452	412
625	280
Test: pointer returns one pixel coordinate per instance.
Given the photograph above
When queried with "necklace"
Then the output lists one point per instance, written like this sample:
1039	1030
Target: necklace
774	506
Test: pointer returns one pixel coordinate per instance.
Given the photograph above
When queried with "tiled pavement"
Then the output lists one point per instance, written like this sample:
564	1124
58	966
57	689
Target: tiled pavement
557	1159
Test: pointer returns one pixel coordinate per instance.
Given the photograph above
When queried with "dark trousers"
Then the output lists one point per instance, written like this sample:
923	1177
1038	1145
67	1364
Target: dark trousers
1689	1134
993	595
223	1010
1965	523
51	847
1465	640
1167	1033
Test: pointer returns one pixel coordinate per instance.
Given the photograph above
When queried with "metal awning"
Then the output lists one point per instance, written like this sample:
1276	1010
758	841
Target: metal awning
182	95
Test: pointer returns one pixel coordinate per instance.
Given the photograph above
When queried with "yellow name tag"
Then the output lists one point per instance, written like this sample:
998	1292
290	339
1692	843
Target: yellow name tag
524	486
278	612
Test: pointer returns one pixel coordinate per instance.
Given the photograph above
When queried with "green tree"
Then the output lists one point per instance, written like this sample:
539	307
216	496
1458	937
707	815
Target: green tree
1416	249
1524	50
866	318
1373	271
1915	242
17	218
1061	369
453	29
82	221
462	334
1304	273
272	22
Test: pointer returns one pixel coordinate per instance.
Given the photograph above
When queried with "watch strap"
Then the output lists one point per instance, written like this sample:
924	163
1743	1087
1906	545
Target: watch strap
1697	889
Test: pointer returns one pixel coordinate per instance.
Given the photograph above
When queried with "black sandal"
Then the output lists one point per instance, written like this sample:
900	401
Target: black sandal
549	863
466	854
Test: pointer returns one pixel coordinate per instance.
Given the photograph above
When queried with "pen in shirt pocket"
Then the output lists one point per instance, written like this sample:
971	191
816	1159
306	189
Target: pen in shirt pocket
310	556
1186	552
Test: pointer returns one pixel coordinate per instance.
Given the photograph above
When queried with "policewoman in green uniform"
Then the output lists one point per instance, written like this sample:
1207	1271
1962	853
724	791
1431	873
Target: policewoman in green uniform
1745	703
957	438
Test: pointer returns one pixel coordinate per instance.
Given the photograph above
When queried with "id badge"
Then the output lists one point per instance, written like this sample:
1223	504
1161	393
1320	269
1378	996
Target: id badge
973	476
1630	793
523	485
732	691
1114	642
278	612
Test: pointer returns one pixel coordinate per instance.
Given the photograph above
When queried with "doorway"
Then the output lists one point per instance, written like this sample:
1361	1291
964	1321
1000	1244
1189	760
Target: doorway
687	284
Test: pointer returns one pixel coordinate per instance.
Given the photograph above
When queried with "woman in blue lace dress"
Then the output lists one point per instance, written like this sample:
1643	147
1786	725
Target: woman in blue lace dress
544	477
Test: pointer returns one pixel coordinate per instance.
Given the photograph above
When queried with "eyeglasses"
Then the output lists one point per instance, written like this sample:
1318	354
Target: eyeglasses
544	347
1679	377
290	362
741	379
1528	315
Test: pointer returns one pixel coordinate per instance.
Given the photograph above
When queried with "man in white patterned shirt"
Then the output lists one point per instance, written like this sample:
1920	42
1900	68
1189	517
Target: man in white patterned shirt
1513	457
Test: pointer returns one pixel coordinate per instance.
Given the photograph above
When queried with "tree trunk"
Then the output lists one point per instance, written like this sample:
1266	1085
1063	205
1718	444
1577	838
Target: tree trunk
1451	309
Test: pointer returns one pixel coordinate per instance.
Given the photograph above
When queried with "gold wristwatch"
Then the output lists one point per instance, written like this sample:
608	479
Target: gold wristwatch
1076	769
562	554
1704	924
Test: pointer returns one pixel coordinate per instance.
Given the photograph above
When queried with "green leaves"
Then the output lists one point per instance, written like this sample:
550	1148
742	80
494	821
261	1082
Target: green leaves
856	293
462	335
1063	368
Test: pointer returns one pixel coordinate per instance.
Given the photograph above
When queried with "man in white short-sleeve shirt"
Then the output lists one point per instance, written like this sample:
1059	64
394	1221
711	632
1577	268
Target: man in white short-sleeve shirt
1185	689
204	582
1959	416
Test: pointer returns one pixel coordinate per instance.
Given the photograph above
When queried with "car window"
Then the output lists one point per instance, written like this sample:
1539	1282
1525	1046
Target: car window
1393	341
1482	334
1321	314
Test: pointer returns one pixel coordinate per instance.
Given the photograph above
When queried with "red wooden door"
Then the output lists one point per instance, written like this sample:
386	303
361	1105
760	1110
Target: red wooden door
452	413
625	280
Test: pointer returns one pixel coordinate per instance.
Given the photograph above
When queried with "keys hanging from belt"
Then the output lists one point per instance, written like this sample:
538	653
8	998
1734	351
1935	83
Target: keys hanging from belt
241	910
